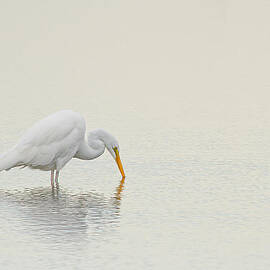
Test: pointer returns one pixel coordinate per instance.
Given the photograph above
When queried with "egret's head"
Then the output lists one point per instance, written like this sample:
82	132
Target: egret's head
112	146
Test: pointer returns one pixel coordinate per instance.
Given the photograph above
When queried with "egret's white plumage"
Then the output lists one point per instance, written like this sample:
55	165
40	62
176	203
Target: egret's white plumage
56	139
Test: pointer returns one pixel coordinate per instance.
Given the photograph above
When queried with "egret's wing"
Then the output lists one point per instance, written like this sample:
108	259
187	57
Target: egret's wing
55	136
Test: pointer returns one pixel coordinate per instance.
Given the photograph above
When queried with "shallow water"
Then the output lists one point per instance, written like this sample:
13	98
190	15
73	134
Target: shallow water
207	204
184	87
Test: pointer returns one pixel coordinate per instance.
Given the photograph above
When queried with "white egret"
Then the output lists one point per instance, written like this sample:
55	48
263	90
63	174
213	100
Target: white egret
56	139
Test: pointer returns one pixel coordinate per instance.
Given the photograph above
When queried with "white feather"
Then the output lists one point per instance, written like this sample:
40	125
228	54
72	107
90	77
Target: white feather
49	144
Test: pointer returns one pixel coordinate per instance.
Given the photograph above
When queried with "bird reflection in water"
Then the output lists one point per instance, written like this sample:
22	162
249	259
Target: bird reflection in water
119	189
47	212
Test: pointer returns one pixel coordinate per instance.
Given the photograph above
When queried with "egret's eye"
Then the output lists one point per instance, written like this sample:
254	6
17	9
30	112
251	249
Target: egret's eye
115	149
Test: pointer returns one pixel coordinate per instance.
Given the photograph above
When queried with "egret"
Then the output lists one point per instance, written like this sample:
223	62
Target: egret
53	141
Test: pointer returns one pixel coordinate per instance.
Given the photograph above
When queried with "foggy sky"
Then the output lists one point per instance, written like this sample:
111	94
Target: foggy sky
195	59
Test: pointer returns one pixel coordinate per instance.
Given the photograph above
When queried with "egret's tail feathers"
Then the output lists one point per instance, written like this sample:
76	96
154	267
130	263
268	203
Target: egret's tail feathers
9	160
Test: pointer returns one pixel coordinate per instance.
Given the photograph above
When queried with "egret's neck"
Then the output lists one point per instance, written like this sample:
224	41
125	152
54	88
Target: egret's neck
90	151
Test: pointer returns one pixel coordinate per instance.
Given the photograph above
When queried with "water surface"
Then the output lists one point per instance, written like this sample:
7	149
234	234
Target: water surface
184	87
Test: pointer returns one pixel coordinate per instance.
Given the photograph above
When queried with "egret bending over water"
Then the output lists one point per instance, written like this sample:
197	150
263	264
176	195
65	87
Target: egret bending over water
55	140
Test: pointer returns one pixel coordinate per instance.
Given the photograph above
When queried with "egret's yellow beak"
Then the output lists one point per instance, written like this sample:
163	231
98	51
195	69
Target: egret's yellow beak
119	163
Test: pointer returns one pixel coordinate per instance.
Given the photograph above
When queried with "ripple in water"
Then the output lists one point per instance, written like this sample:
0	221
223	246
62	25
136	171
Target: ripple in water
61	215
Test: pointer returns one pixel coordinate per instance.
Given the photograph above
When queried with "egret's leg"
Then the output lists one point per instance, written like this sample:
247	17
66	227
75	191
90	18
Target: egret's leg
56	179
52	178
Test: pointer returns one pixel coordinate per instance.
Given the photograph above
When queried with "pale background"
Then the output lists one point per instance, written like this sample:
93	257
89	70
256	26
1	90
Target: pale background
184	86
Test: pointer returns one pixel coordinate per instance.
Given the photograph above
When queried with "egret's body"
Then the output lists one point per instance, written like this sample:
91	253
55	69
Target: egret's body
55	140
